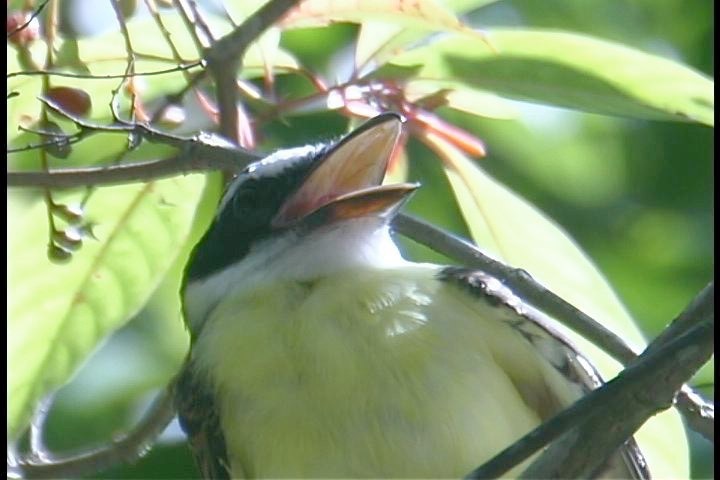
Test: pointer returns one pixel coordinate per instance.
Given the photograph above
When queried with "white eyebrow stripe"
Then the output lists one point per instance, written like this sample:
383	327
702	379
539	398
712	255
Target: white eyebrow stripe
269	166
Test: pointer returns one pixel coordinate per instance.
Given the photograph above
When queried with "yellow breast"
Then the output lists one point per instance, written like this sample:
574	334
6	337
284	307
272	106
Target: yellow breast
377	373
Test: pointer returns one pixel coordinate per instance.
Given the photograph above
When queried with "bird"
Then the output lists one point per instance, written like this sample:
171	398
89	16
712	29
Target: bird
318	350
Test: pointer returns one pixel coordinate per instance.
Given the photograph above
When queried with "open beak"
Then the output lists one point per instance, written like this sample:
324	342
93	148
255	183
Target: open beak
346	183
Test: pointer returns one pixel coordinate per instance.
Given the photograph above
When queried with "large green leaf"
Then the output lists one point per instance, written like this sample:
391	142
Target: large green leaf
569	70
511	229
57	314
377	36
463	6
385	26
463	98
379	39
421	13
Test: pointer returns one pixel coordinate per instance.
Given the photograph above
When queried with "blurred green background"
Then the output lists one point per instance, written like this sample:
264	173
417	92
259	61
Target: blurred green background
636	195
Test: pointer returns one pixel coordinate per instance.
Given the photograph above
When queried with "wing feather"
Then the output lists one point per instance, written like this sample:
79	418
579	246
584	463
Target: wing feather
199	418
575	369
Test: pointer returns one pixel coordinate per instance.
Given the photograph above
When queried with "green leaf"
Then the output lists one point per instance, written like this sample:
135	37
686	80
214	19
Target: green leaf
511	229
379	39
418	13
265	54
572	71
57	314
376	36
460	97
386	27
462	6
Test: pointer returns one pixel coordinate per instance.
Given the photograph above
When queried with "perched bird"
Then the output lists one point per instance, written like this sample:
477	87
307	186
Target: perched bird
318	351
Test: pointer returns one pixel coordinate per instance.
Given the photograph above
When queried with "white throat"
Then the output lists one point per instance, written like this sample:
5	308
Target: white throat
356	243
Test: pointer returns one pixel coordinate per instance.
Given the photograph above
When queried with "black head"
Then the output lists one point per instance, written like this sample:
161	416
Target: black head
301	188
248	206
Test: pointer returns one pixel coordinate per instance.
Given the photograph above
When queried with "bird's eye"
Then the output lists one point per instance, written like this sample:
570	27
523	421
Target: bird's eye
242	203
249	209
241	200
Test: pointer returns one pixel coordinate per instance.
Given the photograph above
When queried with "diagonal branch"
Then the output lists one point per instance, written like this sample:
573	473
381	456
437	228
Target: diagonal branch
647	386
595	426
123	173
699	414
224	58
181	67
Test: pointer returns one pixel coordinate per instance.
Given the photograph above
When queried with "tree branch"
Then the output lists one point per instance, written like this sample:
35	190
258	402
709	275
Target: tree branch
179	68
646	387
224	58
38	449
125	449
200	153
606	417
119	174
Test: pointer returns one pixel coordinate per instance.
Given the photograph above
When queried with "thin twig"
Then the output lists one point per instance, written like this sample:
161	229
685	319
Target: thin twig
118	174
183	11
195	157
189	79
197	154
33	15
179	68
200	22
697	412
130	67
51	20
38	450
125	449
152	8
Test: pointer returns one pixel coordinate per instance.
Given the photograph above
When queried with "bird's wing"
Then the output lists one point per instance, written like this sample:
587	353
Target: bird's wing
200	420
578	373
